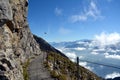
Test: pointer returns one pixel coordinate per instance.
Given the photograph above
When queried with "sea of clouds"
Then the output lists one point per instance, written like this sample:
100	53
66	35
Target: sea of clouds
98	50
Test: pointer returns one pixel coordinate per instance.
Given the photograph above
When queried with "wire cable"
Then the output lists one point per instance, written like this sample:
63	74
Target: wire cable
100	64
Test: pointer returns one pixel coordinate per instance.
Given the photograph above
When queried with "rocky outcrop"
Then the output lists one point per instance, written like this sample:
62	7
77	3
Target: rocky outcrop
16	41
5	11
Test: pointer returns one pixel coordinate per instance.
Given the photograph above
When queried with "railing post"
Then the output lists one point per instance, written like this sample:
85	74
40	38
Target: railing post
78	74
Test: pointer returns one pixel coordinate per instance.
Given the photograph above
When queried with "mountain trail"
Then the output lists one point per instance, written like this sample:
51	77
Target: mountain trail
36	69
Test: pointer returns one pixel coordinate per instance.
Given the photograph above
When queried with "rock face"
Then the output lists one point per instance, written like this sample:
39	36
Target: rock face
5	11
16	41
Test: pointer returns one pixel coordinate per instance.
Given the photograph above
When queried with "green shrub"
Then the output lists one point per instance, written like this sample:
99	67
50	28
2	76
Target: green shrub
51	58
62	77
54	74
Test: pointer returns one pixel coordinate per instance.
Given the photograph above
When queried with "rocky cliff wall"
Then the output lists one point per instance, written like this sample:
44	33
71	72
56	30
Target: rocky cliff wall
16	41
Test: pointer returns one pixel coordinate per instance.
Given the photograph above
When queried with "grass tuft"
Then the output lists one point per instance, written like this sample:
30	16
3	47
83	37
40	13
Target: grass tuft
25	69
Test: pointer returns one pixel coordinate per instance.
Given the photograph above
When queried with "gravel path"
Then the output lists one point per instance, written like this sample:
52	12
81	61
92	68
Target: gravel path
37	70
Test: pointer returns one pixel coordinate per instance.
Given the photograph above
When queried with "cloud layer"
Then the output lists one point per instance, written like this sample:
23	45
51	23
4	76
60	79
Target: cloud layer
114	56
72	56
84	64
112	75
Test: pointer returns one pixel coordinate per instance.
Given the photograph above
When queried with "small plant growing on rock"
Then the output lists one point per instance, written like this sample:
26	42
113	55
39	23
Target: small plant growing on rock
25	68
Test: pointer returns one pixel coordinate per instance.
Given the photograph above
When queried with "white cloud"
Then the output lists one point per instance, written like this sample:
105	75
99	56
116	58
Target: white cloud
76	18
84	64
60	49
111	50
98	50
114	56
73	60
81	57
92	12
94	53
112	75
58	11
63	30
80	42
71	55
105	39
80	48
101	66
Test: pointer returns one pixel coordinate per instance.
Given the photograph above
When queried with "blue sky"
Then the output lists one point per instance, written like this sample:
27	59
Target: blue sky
69	20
